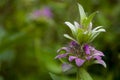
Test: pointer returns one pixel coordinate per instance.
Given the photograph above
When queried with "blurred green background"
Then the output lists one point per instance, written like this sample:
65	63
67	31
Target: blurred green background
32	30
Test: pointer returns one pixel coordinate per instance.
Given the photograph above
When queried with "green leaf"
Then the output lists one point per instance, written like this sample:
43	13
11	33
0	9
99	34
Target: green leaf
86	37
95	32
93	36
82	13
96	28
79	35
72	28
69	37
54	77
89	19
84	75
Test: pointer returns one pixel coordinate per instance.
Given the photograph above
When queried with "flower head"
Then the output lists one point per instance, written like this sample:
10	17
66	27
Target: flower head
79	55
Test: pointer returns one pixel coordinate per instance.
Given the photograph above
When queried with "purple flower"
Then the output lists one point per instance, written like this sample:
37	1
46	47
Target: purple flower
72	49
79	55
47	12
42	13
94	54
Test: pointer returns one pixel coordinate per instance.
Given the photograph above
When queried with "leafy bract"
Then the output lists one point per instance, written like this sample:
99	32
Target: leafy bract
89	20
83	33
69	37
82	13
72	28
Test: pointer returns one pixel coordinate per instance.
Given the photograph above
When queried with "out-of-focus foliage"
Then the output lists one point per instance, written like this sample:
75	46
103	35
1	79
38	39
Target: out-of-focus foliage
32	30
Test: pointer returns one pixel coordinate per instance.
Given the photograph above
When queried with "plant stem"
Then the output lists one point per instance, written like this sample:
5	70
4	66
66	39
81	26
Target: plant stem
78	74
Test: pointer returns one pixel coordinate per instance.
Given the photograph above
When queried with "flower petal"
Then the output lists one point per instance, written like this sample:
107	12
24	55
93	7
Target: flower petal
61	56
91	48
74	44
71	58
88	57
66	67
98	53
100	62
86	49
97	57
79	62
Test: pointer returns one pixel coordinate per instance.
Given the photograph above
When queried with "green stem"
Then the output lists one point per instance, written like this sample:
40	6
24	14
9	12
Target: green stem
78	74
82	74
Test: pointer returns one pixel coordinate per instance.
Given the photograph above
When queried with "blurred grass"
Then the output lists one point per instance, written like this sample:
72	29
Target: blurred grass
28	45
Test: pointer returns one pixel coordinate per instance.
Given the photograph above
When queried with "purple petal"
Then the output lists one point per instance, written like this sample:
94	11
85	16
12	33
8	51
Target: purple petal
98	53
66	67
88	57
71	58
73	43
92	48
86	49
79	62
97	57
61	56
100	62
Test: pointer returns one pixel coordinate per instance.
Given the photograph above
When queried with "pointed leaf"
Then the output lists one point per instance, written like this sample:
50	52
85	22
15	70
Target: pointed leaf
72	27
96	28
69	37
89	20
90	27
93	37
100	30
82	13
77	25
95	32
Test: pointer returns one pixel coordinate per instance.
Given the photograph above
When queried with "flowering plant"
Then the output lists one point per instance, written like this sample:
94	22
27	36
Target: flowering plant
79	52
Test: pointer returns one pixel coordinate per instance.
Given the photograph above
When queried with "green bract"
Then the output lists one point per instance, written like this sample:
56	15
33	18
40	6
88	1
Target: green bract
83	32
